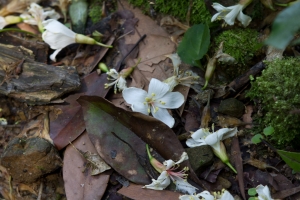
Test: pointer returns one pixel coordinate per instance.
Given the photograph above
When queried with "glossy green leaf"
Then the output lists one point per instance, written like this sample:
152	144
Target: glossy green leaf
252	191
194	44
292	159
268	130
256	138
284	27
252	198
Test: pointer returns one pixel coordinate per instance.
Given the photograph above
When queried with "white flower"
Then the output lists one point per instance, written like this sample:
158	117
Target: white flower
37	15
224	195
119	81
59	36
230	13
263	192
176	62
186	78
168	174
205	195
204	137
157	100
4	21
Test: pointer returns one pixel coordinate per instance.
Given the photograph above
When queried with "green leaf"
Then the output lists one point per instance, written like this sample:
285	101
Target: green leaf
252	191
194	44
268	130
284	27
292	159
256	138
252	198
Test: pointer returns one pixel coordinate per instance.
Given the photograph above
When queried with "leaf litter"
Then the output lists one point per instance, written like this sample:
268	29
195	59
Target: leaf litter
106	134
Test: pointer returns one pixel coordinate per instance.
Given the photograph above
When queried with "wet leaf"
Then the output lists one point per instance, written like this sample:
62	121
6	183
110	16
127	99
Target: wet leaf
137	192
283	28
94	160
115	143
70	124
194	44
80	185
252	191
256	138
292	159
268	130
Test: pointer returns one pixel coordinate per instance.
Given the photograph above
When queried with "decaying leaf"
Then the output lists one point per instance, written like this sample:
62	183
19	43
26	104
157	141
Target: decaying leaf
259	164
79	185
94	161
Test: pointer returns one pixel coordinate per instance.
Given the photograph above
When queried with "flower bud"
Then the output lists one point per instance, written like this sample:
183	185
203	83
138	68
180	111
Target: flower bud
223	155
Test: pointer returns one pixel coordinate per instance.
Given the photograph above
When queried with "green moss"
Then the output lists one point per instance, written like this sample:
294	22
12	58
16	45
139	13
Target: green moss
95	10
178	9
243	45
278	88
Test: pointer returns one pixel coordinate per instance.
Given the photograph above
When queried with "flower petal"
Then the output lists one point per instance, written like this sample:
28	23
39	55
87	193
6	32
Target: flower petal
158	88
218	7
183	186
200	134
54	54
226	196
140	107
2	22
198	138
188	197
230	17
215	17
212	139
193	143
169	164
161	183
134	95
224	133
184	156
244	19
57	27
171	100
121	83
263	192
163	115
206	195
57	35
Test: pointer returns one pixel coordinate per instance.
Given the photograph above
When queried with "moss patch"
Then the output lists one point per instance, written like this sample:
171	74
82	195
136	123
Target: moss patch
178	9
278	88
243	45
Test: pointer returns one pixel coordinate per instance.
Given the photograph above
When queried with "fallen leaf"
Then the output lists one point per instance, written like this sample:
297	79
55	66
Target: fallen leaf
94	161
137	192
70	124
238	163
80	185
115	143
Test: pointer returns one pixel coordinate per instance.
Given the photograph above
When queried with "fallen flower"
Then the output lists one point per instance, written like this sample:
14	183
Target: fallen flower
157	100
167	174
59	36
205	195
224	195
4	21
186	78
230	13
263	192
119	81
37	15
204	137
